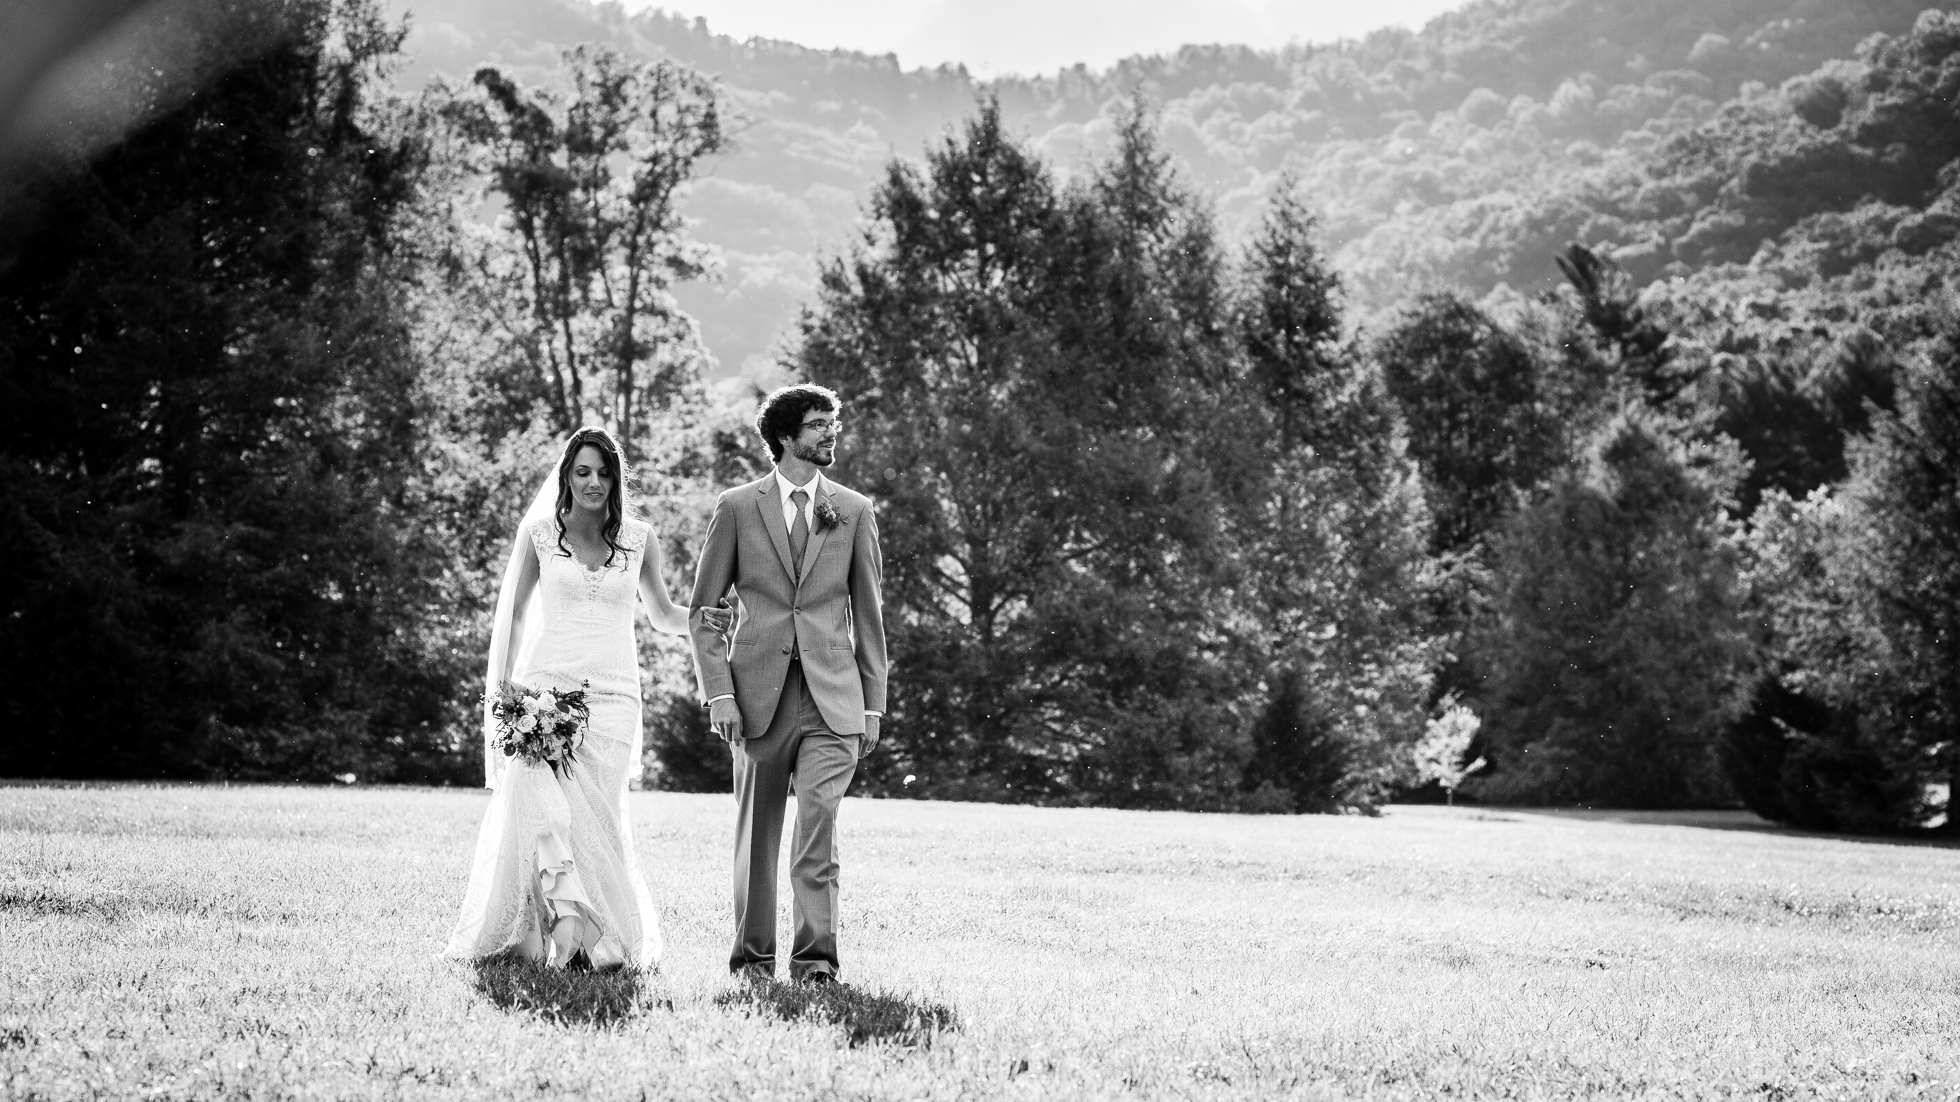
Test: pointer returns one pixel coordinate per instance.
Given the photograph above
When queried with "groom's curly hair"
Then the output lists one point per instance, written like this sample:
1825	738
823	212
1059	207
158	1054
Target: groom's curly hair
782	412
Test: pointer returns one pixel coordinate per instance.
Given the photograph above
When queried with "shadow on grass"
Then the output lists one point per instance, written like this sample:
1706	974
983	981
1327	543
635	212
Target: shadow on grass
567	998
1728	819
865	1016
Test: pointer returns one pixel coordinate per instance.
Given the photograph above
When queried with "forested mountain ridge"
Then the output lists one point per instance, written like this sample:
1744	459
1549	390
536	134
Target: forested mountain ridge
1461	155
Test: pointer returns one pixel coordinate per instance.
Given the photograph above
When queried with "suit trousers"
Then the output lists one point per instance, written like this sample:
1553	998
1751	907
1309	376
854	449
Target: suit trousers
798	745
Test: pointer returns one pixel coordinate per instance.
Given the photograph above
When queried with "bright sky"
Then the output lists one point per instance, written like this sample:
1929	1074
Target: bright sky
999	37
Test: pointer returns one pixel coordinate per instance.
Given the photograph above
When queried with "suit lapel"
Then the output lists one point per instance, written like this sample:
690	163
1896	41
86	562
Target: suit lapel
818	533
769	501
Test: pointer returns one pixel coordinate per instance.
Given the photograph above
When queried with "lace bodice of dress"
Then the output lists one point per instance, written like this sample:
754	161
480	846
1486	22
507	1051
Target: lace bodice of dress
587	632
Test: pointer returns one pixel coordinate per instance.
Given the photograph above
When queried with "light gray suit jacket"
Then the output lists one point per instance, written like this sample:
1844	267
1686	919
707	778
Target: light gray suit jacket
835	614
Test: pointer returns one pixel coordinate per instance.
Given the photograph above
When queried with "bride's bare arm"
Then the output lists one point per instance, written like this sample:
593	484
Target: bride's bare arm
527	582
661	610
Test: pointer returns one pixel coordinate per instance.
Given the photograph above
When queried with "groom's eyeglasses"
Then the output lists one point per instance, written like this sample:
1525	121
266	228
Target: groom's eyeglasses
823	427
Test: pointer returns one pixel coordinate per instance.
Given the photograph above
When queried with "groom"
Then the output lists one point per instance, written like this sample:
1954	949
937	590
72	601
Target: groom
798	686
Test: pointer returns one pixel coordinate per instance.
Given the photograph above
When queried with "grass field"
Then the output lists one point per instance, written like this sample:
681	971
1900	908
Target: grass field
189	942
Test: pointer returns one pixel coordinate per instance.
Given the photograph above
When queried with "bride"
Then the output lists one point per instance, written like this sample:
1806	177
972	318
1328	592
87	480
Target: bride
555	875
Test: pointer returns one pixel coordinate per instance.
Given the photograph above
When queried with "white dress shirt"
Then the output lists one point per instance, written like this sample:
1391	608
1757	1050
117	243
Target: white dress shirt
786	488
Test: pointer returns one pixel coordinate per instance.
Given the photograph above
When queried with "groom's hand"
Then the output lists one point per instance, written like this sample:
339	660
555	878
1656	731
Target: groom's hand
725	719
870	735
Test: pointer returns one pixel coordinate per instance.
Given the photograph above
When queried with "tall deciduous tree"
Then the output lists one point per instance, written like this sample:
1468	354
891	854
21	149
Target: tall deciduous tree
561	313
590	240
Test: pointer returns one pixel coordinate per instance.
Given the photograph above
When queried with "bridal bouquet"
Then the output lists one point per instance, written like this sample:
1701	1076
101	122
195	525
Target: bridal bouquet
542	726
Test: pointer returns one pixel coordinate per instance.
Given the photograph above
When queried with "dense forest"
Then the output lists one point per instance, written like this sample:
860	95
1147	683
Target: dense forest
1466	420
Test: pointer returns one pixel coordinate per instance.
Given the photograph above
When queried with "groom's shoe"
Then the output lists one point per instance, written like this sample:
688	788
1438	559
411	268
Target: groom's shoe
816	979
756	973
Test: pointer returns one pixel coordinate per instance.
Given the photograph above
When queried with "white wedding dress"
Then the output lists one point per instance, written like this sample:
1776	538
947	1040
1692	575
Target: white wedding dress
561	844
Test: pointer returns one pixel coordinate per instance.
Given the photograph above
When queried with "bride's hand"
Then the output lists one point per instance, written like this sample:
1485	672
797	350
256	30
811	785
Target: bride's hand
718	617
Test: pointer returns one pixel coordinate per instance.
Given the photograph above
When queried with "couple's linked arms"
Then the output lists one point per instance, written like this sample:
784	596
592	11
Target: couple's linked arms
715	574
667	616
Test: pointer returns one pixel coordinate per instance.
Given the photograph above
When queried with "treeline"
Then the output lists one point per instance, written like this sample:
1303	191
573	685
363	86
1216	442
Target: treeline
1161	533
1167	524
1811	236
1674	547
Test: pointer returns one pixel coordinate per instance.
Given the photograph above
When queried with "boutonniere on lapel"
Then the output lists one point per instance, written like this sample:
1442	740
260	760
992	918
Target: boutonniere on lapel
827	516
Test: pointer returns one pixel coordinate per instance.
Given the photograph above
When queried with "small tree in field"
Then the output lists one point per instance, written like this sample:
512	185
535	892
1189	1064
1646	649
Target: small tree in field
1445	743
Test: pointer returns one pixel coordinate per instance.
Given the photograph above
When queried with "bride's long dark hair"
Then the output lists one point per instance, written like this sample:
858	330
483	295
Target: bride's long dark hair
615	498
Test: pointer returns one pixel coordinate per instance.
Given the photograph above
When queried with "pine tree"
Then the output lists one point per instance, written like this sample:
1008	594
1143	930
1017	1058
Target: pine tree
1337	535
1619	639
1904	500
1035	380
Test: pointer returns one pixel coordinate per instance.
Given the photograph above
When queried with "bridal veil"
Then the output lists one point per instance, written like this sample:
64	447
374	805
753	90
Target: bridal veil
502	645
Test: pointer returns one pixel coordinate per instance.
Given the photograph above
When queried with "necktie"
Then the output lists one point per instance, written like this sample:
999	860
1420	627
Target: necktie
799	533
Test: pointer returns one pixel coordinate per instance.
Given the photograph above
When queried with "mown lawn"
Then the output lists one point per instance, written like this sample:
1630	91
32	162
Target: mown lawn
192	942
